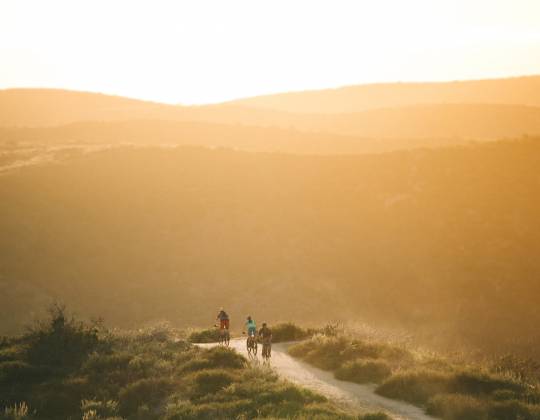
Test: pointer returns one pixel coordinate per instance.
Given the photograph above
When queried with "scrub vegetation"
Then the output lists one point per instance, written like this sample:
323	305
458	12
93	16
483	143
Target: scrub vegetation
64	368
445	387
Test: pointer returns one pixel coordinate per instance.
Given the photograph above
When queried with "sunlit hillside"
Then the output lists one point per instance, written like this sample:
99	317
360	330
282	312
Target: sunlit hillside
511	91
436	239
54	116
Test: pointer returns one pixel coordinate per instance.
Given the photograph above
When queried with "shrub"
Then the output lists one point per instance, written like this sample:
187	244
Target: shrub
364	371
476	383
56	399
513	409
416	387
300	350
504	395
457	407
159	333
215	358
374	416
210	335
19	372
323	352
100	364
211	381
235	409
331	329
62	342
10	353
356	349
16	412
149	391
99	409
288	332
289	393
331	353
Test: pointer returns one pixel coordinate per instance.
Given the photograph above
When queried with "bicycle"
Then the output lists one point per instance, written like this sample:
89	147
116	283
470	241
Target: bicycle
266	350
251	345
224	336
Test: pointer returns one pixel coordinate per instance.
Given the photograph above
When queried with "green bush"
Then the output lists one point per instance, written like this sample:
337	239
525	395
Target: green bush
420	385
504	395
211	381
513	409
10	353
225	358
288	331
160	333
144	391
356	349
416	387
215	358
99	409
57	399
364	371
19	411
374	416
19	372
331	353
323	352
476	383
99	364
61	342
211	410
210	335
457	407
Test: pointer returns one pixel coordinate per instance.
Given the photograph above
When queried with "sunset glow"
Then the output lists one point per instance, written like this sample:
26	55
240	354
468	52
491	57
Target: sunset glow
211	51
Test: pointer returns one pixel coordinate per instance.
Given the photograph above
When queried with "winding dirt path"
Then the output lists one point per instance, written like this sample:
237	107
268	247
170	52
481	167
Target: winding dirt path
350	395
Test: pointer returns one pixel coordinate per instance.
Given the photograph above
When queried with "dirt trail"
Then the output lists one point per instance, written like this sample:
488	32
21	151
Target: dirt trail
348	394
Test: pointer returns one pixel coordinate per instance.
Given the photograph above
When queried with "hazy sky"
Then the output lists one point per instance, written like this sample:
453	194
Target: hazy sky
206	51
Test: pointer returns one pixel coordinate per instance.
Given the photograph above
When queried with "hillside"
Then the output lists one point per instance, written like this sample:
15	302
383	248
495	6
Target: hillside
168	133
50	107
49	116
348	99
458	121
402	123
425	238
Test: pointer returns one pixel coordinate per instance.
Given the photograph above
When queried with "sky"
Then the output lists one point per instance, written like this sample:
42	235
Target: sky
203	51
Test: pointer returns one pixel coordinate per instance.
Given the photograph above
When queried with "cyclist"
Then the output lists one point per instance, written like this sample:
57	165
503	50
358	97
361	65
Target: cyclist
251	327
265	334
223	319
251	342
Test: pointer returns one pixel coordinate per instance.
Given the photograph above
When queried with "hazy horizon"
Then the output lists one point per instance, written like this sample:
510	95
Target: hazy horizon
210	52
275	93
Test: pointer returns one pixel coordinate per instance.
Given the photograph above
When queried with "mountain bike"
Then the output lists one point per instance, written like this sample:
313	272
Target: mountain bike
266	350
224	336
251	345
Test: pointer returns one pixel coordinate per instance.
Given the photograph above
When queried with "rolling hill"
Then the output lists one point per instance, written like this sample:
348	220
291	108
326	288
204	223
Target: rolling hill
54	116
349	99
426	238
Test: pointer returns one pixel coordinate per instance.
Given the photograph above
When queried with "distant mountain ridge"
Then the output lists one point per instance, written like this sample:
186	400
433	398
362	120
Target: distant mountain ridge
391	113
510	91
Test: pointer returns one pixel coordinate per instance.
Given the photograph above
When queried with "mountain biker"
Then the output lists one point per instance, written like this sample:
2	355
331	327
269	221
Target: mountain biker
266	337
223	319
251	327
